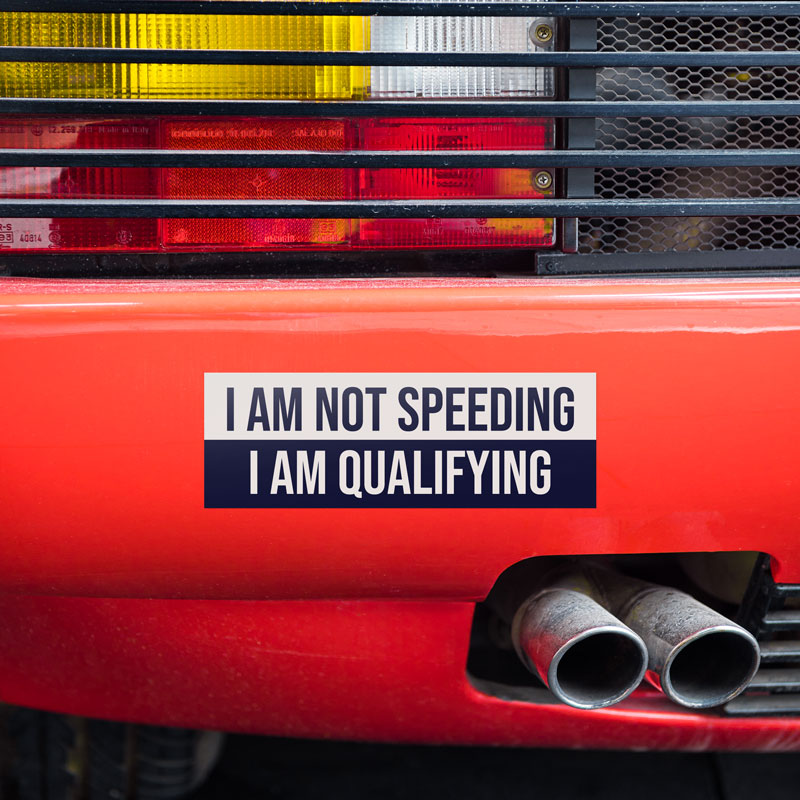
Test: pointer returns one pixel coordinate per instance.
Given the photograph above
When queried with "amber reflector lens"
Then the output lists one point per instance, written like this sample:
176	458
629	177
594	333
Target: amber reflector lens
182	32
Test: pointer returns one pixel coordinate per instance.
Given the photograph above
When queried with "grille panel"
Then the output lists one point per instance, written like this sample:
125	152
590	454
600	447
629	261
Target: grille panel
699	83
697	34
612	235
669	81
698	182
734	84
771	612
746	133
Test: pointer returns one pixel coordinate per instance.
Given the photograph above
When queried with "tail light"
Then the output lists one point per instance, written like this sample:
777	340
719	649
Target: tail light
155	52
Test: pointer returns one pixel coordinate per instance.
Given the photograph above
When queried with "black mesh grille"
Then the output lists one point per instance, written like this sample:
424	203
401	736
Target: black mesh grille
699	83
698	182
737	82
693	34
711	132
688	234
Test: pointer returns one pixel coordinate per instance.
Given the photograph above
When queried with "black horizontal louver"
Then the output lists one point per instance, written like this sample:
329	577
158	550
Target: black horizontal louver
693	117
771	611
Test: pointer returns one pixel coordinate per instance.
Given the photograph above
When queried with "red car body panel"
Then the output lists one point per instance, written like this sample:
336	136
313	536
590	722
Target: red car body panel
356	623
373	670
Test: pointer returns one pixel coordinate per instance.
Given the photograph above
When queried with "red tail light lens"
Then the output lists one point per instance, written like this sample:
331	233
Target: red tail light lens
79	235
256	234
291	184
419	133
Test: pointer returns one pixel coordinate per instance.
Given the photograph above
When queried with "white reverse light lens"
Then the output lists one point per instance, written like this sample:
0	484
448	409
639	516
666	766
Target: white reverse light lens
456	35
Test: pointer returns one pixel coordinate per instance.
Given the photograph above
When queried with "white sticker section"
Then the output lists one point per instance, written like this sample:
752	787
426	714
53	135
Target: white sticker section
395	406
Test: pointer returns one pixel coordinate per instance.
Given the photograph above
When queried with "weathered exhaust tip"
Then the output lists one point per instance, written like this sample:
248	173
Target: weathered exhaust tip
697	657
598	670
585	655
711	668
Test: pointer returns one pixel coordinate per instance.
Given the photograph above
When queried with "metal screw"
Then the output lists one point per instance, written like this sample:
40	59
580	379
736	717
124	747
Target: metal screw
543	180
542	34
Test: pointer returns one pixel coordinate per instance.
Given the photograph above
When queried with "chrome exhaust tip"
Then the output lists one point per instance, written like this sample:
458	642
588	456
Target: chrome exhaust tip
697	657
586	656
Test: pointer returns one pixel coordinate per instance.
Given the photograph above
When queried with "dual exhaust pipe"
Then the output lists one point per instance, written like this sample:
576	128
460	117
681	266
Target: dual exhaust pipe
592	635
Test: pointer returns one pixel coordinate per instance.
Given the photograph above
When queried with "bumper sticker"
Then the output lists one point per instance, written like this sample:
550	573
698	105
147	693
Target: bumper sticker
400	440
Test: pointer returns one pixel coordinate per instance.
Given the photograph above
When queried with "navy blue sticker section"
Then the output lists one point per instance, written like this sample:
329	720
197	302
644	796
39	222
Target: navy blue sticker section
408	474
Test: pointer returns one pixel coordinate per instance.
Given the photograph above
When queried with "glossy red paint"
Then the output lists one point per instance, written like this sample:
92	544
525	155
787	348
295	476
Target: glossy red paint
102	447
101	476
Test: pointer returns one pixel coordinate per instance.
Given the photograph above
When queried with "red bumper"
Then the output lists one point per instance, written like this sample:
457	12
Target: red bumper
101	474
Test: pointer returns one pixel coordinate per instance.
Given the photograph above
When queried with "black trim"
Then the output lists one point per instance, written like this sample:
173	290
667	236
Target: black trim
394	8
124	55
438	159
396	209
554	264
484	263
395	108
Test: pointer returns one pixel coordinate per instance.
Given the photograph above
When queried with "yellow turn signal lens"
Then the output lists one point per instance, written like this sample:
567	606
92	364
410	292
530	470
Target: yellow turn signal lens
183	31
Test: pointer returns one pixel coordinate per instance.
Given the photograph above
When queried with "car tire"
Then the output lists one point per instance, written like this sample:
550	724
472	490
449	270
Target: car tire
58	757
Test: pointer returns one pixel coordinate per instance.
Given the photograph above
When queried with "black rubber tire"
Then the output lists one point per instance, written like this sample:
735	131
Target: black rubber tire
56	757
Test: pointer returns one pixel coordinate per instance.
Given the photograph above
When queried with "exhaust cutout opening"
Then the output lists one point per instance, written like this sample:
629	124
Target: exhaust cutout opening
598	670
719	580
711	668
